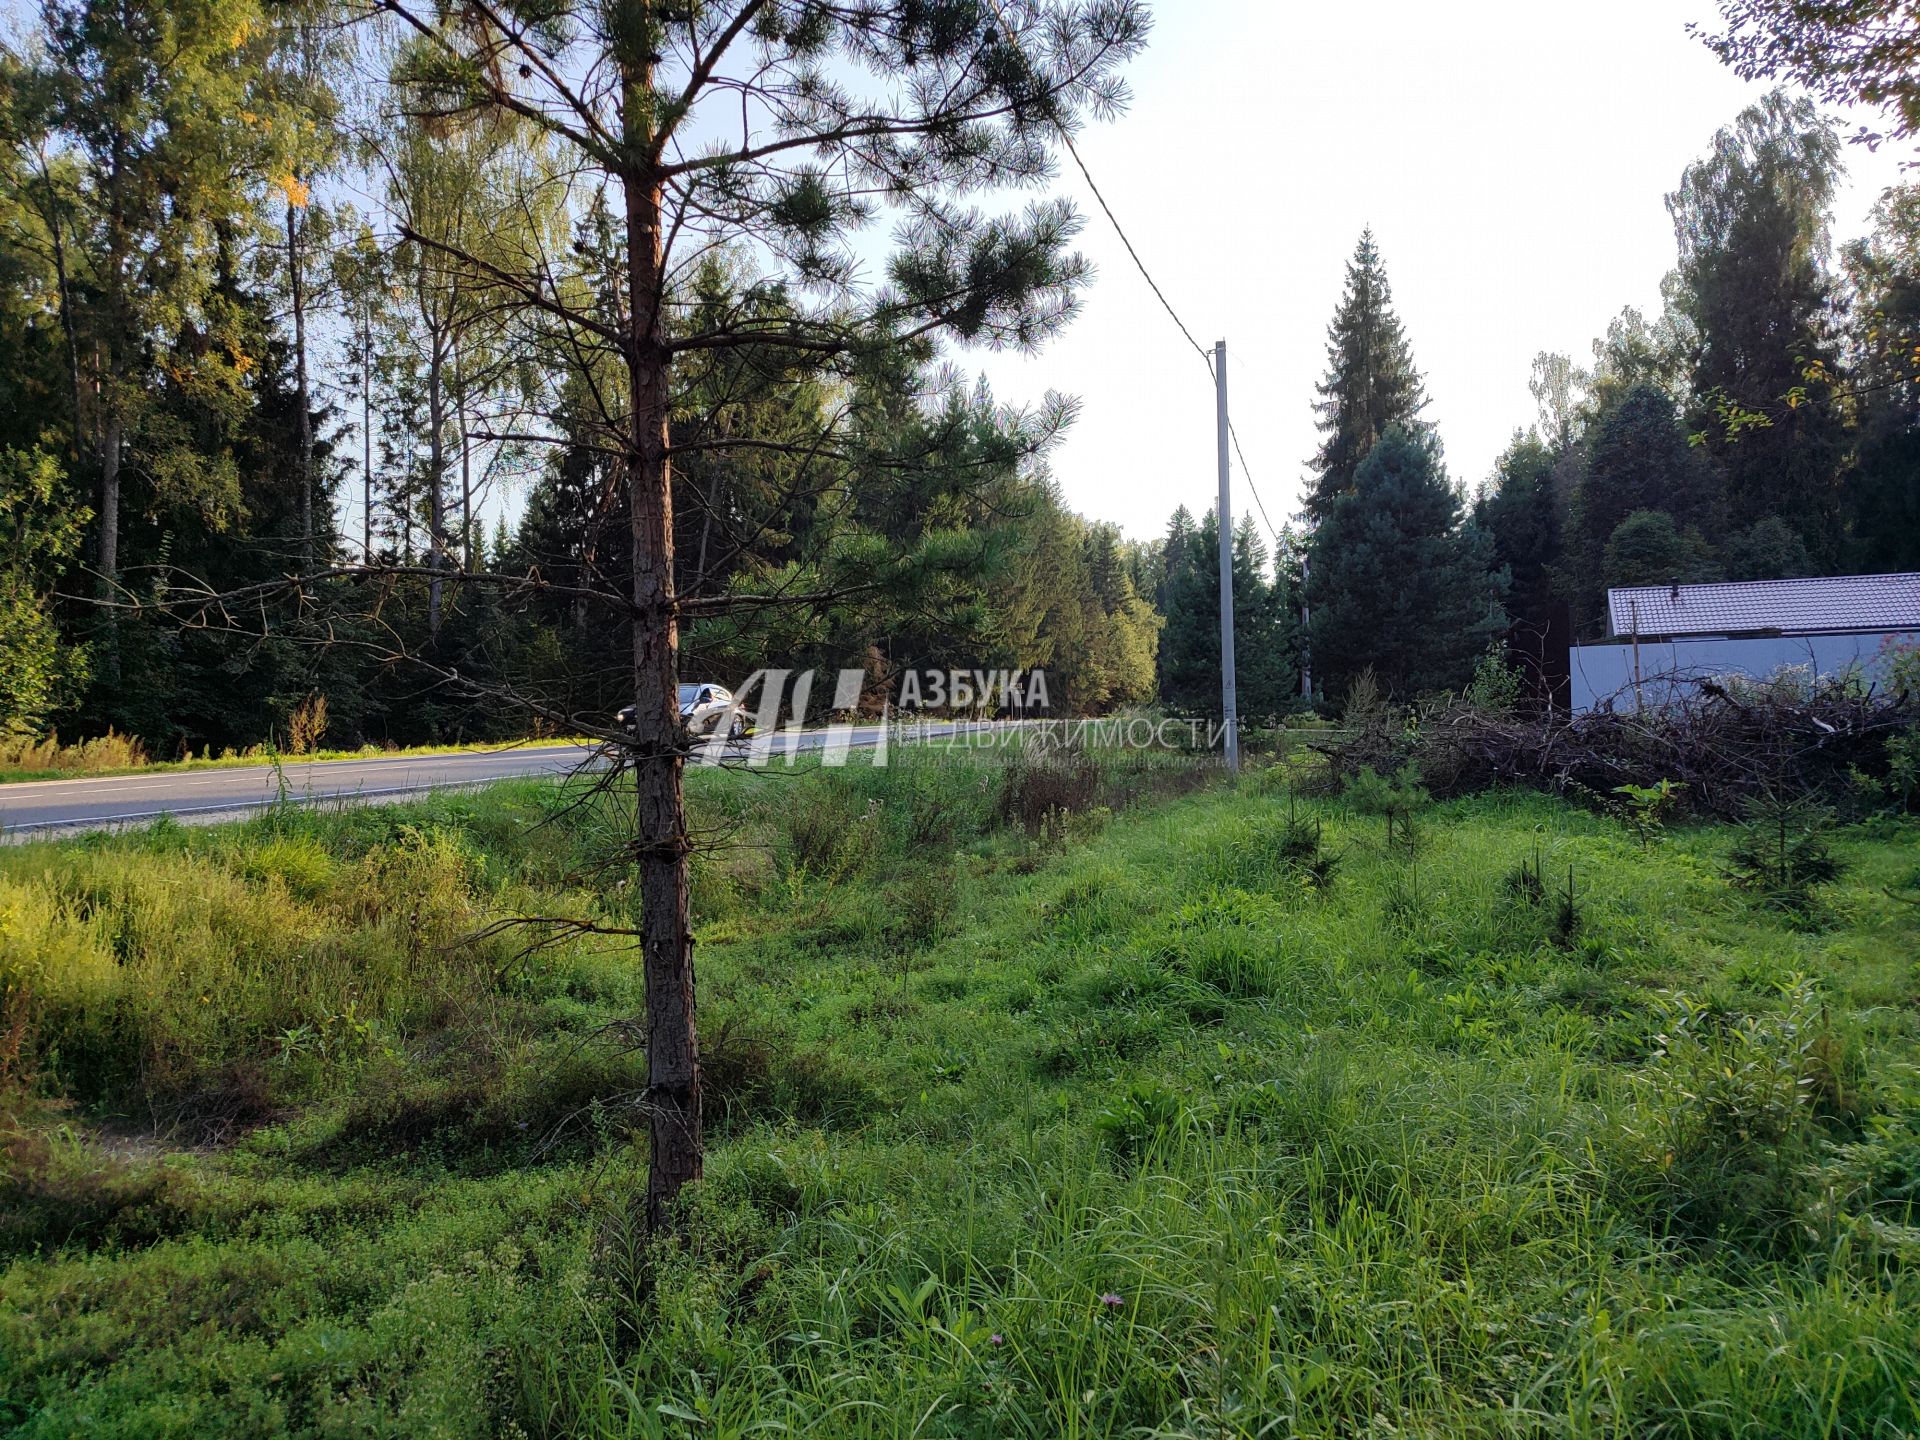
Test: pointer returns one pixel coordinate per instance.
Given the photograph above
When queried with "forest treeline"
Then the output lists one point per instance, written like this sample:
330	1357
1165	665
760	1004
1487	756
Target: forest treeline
247	333
1764	424
234	348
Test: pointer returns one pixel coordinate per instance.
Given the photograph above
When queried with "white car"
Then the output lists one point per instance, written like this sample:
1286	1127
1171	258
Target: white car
702	708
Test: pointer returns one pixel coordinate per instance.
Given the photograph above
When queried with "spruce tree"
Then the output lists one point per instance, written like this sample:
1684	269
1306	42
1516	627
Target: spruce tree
1399	581
1371	382
1262	627
1521	515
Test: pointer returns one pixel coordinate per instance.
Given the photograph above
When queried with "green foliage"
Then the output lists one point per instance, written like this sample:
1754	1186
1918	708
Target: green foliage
1394	798
1400	582
1645	809
1735	1107
1647	549
1751	219
1495	687
1263	623
409	1220
1371	385
39	535
1769	549
1399	794
1522	517
1639	461
1782	854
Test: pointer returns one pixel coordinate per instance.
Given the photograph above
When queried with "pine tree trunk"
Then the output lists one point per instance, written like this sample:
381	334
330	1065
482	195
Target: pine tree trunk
466	465
436	484
112	431
673	1065
109	557
58	235
366	426
303	467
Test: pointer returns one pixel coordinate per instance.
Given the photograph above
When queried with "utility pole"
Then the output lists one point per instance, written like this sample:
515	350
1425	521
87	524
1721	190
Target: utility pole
1228	703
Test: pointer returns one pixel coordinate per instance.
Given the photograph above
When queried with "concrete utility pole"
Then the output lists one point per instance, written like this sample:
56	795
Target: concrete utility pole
1228	702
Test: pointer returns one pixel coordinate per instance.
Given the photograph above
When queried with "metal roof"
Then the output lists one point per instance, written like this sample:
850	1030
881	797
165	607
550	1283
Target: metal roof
1822	605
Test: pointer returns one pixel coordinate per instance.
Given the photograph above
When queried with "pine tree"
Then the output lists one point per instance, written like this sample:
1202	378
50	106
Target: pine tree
1371	382
1399	581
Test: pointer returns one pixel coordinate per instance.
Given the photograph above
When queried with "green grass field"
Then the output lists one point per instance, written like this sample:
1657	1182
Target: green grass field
1152	1120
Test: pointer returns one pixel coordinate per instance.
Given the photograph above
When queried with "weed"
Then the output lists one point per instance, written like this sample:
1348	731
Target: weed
307	725
1737	1104
1645	809
1039	792
1147	1117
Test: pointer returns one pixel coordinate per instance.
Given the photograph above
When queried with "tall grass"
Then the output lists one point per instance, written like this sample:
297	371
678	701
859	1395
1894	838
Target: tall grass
33	754
1111	1115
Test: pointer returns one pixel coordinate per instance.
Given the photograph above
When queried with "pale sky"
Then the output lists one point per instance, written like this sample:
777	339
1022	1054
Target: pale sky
1512	159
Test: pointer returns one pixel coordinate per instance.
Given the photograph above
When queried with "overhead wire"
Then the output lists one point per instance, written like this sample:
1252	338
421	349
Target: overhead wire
1206	356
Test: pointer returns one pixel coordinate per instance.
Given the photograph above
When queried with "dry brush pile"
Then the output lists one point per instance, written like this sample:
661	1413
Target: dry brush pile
1726	746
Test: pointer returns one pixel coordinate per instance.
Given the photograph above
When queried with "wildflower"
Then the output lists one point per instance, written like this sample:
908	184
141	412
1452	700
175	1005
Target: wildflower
1110	1300
996	1338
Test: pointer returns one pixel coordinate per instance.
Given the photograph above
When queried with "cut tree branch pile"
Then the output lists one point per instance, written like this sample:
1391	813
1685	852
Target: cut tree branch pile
1724	746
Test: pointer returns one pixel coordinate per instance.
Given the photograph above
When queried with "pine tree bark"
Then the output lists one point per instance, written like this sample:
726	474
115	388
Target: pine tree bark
436	483
303	467
467	561
57	233
366	426
110	443
673	1063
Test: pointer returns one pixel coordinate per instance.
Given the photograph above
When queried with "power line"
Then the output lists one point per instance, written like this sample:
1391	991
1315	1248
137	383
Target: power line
1206	358
1248	475
1133	254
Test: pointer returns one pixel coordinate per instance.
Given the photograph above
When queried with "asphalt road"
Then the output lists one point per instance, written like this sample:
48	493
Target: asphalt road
41	807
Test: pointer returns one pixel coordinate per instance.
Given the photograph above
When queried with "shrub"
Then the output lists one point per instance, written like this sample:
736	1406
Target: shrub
1644	809
1496	684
